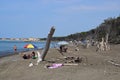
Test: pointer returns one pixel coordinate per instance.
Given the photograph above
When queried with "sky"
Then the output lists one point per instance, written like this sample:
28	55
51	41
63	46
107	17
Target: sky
34	18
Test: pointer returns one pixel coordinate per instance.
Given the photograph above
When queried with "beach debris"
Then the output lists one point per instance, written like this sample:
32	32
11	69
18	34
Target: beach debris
66	59
73	59
103	45
76	49
114	63
50	61
70	64
88	43
31	64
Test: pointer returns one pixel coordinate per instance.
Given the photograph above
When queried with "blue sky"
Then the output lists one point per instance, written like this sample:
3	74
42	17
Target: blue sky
34	18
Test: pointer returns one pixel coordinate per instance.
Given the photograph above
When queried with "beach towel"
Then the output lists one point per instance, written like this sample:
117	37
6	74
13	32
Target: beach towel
55	65
39	57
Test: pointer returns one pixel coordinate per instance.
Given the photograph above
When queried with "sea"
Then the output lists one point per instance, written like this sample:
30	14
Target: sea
6	46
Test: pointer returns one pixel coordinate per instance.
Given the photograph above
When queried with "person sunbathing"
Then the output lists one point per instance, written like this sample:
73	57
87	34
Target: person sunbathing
33	55
25	56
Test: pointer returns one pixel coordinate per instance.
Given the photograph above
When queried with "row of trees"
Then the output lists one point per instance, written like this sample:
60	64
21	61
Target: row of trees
109	26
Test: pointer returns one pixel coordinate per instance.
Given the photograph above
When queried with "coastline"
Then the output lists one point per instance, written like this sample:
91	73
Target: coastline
9	53
14	53
7	46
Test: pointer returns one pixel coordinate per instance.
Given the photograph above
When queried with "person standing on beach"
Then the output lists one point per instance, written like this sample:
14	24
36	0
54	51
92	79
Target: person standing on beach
15	48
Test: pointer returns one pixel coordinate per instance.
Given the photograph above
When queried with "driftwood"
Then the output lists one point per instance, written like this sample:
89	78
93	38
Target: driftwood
113	63
45	50
103	45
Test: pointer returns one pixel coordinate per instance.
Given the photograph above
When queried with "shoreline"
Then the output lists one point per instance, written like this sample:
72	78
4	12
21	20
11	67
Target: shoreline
6	53
11	52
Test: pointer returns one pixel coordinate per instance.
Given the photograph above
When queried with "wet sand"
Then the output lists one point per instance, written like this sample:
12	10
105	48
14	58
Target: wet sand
94	66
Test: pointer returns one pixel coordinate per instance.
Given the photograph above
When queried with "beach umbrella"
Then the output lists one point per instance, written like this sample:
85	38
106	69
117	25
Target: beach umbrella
63	43
30	46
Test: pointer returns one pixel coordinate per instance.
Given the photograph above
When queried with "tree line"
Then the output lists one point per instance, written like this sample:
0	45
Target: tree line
109	26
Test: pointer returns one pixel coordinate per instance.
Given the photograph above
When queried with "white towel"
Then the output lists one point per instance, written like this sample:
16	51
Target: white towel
39	57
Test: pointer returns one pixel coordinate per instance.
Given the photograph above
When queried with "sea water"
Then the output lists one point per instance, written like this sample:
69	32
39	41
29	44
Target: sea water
6	47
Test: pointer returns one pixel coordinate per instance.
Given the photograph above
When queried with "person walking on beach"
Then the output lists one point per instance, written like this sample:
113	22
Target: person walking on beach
15	48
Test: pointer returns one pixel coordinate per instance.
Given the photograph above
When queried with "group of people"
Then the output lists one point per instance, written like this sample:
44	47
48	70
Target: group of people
32	55
26	56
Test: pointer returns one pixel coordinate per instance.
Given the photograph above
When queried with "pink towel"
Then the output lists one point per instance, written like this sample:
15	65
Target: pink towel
55	66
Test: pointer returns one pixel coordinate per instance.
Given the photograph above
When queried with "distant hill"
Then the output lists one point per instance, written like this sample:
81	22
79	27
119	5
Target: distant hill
110	26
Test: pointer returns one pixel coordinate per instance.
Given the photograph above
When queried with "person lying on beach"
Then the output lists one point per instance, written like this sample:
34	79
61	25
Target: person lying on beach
25	56
57	65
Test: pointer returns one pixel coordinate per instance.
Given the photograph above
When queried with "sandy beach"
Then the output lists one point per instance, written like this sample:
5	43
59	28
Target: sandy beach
94	65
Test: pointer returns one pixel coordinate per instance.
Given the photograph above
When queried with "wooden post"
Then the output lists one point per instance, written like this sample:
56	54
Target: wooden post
45	50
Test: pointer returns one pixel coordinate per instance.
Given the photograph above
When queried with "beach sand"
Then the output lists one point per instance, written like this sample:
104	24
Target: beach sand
94	66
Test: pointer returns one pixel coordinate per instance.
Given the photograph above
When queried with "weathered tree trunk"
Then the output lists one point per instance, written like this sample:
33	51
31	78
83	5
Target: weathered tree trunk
45	50
107	46
107	35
